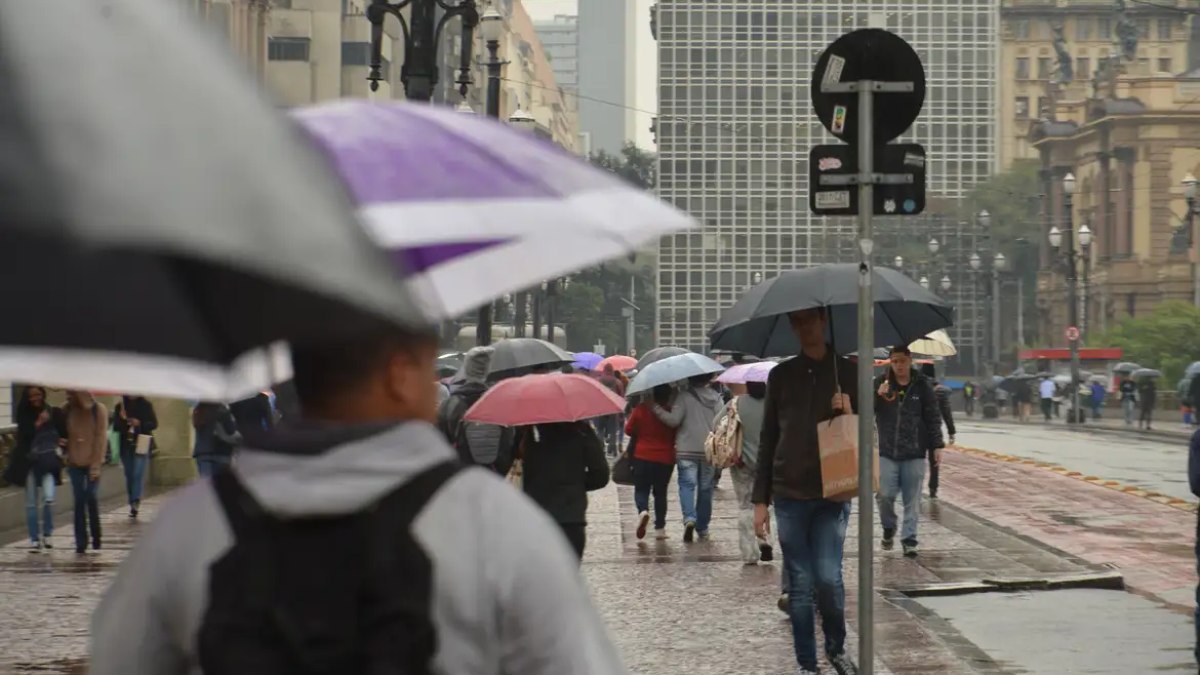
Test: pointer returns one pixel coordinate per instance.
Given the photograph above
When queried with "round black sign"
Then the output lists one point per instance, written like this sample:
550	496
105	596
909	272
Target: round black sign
869	54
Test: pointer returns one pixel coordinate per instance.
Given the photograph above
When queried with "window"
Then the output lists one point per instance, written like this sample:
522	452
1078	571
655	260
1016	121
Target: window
1165	27
1104	28
356	53
1020	29
1022	68
1043	108
1022	107
1043	67
1164	65
288	49
1083	68
1083	28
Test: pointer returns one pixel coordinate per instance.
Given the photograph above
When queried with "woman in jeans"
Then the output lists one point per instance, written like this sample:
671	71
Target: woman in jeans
750	405
135	417
37	424
216	437
652	445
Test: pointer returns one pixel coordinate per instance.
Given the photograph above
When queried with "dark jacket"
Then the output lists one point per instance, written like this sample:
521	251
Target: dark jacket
477	444
561	463
216	430
1194	465
908	424
942	393
1148	395
254	415
799	395
17	469
135	407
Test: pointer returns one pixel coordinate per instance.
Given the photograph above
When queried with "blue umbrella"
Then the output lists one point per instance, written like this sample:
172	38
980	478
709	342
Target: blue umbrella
673	369
587	360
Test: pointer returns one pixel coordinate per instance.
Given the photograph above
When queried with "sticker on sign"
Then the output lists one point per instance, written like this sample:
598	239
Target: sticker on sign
829	163
839	199
833	71
839	119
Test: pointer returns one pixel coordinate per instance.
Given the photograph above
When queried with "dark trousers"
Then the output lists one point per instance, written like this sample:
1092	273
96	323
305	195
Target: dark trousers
84	489
1048	408
933	473
969	406
1147	416
652	477
576	534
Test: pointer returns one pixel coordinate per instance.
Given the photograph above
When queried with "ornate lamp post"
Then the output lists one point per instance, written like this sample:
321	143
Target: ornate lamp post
1064	243
419	73
1189	194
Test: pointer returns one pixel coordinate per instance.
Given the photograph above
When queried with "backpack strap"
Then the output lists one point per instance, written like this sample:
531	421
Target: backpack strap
402	506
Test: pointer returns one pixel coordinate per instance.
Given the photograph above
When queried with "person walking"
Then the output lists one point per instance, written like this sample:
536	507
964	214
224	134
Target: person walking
478	444
1147	398
561	463
969	394
1128	391
135	421
1097	399
749	405
609	426
20	469
45	467
1046	391
942	393
906	412
87	443
802	392
1193	468
652	453
691	414
216	437
451	569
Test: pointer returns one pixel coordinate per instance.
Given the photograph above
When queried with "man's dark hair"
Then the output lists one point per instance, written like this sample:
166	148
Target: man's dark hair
756	390
900	349
327	369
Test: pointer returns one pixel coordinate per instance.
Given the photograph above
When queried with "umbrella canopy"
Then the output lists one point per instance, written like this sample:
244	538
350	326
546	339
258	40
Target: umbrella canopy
658	354
747	372
672	369
937	343
163	234
518	355
543	399
586	360
1146	374
618	362
1126	367
474	209
1193	369
758	322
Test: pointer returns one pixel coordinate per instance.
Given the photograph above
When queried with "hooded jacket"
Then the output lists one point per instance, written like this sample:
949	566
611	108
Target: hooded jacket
908	424
562	463
691	415
507	596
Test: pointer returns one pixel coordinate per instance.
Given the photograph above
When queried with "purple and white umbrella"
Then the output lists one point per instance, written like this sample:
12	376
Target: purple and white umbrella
747	372
472	208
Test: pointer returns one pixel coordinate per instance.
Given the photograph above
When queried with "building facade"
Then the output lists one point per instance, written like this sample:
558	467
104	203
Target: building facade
735	127
1088	31
560	39
241	23
607	72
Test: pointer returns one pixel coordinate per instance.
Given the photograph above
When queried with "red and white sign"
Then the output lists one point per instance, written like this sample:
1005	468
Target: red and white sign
829	163
1072	334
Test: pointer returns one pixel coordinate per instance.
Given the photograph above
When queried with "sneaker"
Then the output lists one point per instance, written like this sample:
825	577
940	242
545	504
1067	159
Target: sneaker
933	494
843	665
910	549
689	532
784	604
35	546
765	552
888	541
46	543
96	544
806	671
660	533
643	523
133	512
703	535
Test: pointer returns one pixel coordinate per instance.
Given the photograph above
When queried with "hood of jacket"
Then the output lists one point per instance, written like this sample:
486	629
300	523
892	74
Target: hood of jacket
700	408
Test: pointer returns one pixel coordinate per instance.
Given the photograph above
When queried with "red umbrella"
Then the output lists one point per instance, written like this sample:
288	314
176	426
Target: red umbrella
542	399
618	362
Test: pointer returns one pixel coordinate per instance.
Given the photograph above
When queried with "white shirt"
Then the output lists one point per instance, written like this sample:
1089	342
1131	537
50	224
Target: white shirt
1047	389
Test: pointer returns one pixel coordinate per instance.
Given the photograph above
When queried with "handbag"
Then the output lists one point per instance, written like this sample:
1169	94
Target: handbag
622	470
837	442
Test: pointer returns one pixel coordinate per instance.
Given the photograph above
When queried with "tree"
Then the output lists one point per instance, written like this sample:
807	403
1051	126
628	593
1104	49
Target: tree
1164	340
633	164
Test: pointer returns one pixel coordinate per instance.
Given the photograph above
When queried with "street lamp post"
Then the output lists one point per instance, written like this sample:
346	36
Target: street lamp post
552	289
422	30
491	25
1189	195
1064	243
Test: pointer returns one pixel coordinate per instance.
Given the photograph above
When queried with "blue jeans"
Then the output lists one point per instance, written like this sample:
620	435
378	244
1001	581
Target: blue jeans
695	492
135	474
209	465
904	478
811	534
1129	406
85	490
46	487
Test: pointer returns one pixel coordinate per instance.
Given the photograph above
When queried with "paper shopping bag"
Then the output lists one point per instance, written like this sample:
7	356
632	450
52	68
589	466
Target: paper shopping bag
143	444
838	442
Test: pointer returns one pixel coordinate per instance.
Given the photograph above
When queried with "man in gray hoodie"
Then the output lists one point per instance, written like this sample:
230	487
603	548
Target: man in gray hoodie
692	414
505	593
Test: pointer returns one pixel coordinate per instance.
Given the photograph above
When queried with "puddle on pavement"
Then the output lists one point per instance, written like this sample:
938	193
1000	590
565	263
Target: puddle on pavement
55	667
1090	632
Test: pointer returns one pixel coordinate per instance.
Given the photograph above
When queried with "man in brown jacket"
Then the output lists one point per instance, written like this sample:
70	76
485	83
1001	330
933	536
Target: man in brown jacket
87	443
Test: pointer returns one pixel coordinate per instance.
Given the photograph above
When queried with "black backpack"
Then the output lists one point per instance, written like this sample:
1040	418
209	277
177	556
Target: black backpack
342	595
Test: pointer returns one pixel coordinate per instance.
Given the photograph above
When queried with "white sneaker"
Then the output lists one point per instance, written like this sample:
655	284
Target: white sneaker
643	523
660	533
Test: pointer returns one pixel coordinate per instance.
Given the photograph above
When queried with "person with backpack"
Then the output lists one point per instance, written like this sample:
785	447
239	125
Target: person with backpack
216	437
560	464
652	454
478	444
942	393
135	421
352	541
609	426
87	444
19	470
745	412
45	465
691	415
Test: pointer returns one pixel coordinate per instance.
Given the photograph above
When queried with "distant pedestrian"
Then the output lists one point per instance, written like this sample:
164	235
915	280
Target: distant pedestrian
1097	399
1147	398
1194	484
1193	395
216	437
478	444
560	464
802	392
1046	391
35	461
906	412
970	392
691	415
942	392
652	452
609	426
135	422
1128	390
87	444
749	407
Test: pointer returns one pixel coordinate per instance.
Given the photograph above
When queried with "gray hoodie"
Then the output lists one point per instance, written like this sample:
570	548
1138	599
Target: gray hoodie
691	414
507	595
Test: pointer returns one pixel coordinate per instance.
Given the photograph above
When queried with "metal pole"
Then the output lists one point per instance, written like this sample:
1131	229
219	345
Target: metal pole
995	315
483	323
866	393
551	301
630	325
1072	308
1020	309
1191	227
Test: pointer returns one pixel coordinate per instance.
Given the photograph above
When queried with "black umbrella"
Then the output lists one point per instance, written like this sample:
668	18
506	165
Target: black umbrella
160	232
658	354
758	322
518	356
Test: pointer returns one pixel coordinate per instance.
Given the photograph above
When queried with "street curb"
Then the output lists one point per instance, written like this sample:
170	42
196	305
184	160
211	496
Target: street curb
1173	502
1109	581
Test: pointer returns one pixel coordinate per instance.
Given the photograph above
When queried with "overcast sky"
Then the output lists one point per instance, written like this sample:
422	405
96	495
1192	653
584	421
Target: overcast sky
647	58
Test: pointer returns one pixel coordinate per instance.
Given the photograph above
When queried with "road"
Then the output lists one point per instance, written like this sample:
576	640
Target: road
1152	463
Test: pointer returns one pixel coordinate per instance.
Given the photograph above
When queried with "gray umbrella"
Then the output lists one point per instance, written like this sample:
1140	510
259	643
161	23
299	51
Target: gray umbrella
673	369
1146	374
658	354
163	221
1126	367
518	356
